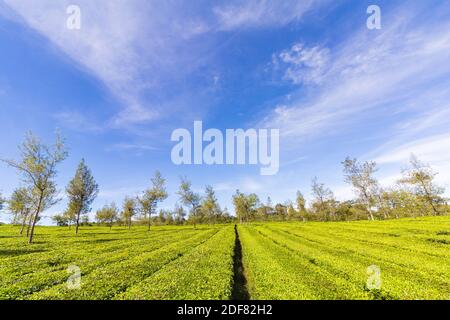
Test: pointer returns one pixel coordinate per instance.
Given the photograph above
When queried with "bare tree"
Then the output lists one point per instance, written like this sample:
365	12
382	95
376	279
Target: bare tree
38	168
360	176
81	191
323	198
421	177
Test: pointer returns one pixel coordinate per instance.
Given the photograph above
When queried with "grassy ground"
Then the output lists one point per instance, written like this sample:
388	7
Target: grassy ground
331	260
119	263
279	261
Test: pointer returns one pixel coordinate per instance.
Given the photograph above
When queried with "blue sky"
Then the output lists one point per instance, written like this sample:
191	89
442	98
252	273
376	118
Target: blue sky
137	70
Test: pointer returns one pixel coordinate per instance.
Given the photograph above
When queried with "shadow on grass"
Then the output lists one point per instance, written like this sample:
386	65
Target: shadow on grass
240	291
102	240
18	252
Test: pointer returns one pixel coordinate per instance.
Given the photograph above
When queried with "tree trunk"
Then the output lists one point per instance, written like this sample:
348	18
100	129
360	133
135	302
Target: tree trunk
30	220
435	210
78	223
429	198
149	221
38	209
35	217
195	217
23	224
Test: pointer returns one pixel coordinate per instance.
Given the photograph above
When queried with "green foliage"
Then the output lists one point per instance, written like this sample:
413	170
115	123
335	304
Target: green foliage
129	210
245	206
61	220
149	200
38	169
108	215
209	208
81	191
189	198
20	205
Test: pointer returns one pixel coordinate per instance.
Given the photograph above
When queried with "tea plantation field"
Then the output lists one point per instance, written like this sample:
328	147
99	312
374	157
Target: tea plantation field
396	259
165	263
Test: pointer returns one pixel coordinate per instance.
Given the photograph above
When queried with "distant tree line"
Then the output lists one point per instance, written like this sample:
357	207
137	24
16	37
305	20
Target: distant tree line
143	209
415	194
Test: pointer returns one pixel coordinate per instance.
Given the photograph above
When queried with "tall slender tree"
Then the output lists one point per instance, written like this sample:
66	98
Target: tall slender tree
180	214
38	168
81	191
189	198
301	205
210	206
129	211
151	197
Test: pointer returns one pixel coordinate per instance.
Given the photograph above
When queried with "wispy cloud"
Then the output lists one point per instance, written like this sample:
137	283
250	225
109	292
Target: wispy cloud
118	193
131	147
78	122
429	149
302	65
260	13
106	45
131	47
137	47
390	68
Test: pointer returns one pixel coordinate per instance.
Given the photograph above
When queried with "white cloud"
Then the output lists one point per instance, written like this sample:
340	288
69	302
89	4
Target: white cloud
131	46
301	64
136	47
392	67
430	149
260	13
